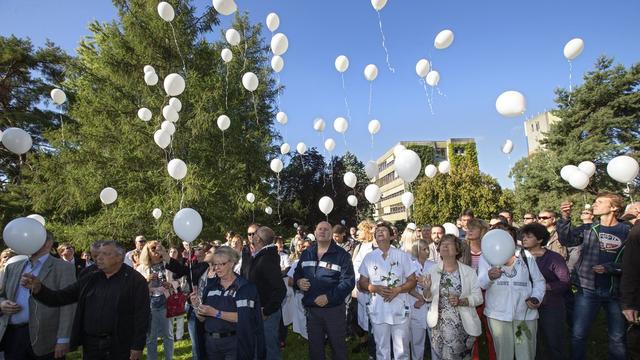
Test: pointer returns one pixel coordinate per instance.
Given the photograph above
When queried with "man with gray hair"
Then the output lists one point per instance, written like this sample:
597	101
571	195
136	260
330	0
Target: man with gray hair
112	316
140	240
264	272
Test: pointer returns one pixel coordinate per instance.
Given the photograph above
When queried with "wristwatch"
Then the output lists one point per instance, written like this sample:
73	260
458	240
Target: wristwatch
218	314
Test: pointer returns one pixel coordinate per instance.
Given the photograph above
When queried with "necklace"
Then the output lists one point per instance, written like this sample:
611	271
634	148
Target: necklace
510	273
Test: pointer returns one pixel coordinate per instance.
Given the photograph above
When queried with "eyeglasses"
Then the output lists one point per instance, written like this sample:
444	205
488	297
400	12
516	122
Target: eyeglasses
528	218
220	264
545	217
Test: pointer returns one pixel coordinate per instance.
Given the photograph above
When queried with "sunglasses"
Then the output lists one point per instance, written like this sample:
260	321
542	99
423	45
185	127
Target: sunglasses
251	234
528	218
545	217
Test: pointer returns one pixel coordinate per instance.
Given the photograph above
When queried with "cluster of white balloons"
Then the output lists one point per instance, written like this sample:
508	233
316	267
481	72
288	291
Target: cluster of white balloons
623	169
431	170
150	76
578	176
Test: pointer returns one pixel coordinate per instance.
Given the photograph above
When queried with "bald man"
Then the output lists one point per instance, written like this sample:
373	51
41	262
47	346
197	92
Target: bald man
264	272
325	276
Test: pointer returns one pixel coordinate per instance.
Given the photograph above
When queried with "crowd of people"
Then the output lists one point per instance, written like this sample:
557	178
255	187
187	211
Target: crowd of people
399	295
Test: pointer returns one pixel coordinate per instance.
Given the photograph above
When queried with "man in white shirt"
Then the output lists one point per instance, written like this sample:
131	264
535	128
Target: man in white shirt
388	274
139	241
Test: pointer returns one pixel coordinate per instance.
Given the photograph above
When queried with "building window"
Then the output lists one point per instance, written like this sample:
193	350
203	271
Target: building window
441	154
385	165
386	179
458	151
391	196
537	126
396	209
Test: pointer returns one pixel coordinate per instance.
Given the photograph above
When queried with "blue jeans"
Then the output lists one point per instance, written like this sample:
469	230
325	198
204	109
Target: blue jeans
160	327
271	338
191	326
586	307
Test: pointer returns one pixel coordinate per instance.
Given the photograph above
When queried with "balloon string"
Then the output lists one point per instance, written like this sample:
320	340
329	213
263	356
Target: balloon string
61	126
278	198
570	79
181	193
226	88
184	67
255	107
426	93
244	53
346	103
224	153
278	89
384	46
370	95
344	137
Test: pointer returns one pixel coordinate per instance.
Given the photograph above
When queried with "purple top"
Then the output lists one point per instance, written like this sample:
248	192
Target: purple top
556	274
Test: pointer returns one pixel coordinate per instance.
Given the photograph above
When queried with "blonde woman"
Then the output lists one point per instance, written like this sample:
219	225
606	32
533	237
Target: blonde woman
408	238
152	268
367	244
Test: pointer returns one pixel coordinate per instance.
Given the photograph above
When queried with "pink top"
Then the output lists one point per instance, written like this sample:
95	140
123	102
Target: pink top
475	259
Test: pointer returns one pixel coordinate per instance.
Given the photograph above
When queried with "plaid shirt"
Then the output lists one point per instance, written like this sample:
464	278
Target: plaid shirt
588	236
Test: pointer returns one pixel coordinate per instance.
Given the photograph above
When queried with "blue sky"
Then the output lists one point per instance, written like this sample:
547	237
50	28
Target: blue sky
499	45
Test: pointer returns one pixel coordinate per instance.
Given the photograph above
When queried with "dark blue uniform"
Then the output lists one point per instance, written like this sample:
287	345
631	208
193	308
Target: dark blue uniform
333	276
221	339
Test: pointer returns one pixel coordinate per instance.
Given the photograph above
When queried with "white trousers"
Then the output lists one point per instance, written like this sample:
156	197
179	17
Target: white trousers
383	333
505	341
179	326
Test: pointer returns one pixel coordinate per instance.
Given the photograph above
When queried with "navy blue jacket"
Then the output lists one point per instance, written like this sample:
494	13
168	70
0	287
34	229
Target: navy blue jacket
332	275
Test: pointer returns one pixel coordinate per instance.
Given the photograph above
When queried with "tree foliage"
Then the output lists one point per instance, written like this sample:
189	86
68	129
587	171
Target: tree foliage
600	120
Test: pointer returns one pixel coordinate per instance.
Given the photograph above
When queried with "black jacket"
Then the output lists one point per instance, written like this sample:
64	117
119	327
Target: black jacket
264	272
88	270
134	313
630	285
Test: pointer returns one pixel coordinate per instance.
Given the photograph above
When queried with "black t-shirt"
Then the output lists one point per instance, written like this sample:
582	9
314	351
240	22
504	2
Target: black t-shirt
101	304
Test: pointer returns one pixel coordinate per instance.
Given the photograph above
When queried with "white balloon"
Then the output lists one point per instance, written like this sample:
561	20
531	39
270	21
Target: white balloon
374	126
277	63
38	218
273	22
162	138
165	10
623	169
58	96
573	48
175	103
17	140
370	72
319	124
1	135
350	179
352	200
150	78
108	195
325	204
342	63
511	103
398	149
225	7
587	167
579	180
282	118
422	68
226	55
276	165
170	113
430	171
279	44
177	169
148	68
223	122
497	247
168	127
232	36
567	170
187	223
443	40
24	236
372	193
174	84
250	197
285	148
444	167
407	199
156	213
301	148
507	147
408	165
378	4
250	81
16	258
371	169
268	210
340	125
330	144
144	114
450	228
433	78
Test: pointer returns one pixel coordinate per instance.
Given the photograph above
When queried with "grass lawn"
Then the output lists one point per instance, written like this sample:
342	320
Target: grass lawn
297	346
